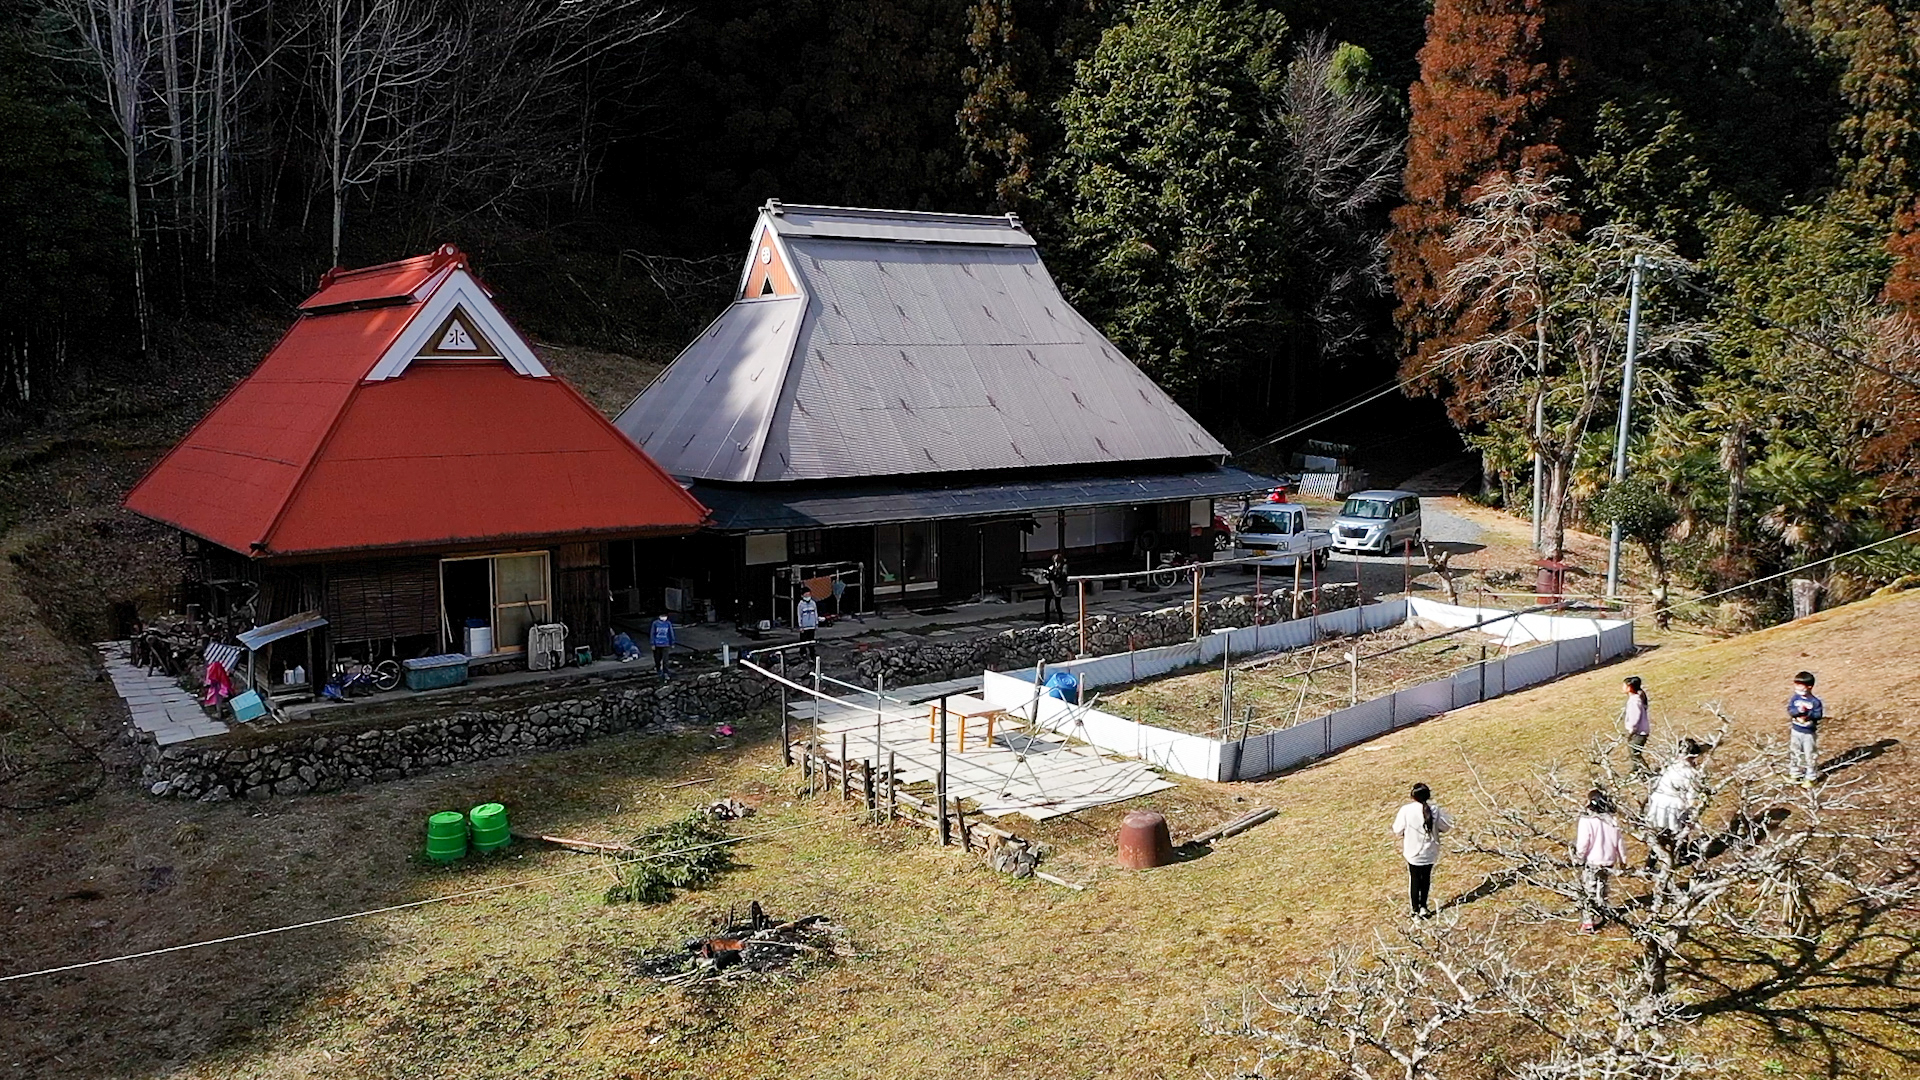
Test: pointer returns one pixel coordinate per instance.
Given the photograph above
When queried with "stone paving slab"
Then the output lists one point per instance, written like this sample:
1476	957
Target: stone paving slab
155	703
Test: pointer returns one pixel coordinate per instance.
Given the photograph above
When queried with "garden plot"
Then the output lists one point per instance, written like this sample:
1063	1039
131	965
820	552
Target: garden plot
1170	707
1277	690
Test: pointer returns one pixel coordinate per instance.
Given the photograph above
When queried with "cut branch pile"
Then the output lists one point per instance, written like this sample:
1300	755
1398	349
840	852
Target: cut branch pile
738	951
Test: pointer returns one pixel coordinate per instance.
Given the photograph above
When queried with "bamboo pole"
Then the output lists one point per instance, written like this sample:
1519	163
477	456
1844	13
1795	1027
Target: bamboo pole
940	779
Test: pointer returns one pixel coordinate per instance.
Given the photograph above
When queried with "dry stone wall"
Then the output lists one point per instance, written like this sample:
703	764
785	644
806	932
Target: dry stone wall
298	759
937	659
305	760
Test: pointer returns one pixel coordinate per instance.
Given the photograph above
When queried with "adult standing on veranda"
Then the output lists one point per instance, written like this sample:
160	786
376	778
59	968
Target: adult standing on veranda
662	636
1056	589
806	619
1419	825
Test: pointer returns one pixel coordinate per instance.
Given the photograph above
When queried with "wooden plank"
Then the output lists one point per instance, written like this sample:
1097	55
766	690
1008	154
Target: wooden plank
591	847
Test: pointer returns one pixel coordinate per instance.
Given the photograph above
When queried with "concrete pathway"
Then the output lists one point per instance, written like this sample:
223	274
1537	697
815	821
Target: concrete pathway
157	703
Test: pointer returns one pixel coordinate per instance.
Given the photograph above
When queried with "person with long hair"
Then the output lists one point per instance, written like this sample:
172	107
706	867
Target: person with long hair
1598	848
1637	719
1419	825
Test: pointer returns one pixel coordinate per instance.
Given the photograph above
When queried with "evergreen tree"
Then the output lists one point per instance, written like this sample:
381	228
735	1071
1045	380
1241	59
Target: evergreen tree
1171	184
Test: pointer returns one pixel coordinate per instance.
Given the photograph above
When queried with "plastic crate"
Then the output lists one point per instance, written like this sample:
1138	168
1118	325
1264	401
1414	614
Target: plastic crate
434	672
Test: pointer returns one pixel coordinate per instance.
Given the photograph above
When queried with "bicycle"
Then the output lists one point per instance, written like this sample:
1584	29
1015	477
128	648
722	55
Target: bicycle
351	676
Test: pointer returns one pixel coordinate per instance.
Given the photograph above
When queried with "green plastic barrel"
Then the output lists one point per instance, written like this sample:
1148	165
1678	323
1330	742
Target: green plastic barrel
489	823
447	836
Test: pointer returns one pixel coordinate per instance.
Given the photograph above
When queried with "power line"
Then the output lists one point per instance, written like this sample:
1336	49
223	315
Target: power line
595	868
1343	408
1781	574
1809	339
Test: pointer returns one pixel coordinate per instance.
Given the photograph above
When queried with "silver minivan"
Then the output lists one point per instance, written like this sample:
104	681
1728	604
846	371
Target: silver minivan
1377	521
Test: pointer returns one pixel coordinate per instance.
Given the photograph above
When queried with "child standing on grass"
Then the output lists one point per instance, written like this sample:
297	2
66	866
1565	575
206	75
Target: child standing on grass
1637	720
1419	825
1804	713
1598	847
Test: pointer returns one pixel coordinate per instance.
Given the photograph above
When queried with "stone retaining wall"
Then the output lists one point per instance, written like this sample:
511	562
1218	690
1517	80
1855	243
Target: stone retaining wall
938	659
298	759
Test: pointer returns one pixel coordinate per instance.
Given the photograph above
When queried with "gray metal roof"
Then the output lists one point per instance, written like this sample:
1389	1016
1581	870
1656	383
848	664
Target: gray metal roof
903	358
853	224
813	506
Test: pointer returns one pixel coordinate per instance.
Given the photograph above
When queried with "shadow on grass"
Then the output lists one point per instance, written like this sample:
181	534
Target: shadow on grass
1489	885
1858	755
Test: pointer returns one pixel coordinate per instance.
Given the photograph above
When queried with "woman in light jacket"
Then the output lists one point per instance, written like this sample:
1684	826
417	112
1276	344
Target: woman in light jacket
1419	825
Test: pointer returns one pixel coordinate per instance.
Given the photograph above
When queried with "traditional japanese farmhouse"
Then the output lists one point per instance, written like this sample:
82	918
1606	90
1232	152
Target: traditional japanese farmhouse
905	403
404	468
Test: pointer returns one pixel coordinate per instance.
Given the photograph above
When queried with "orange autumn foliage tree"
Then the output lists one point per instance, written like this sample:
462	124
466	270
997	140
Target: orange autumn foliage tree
1492	89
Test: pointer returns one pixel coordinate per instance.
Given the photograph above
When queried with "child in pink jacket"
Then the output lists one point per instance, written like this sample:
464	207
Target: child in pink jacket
1600	851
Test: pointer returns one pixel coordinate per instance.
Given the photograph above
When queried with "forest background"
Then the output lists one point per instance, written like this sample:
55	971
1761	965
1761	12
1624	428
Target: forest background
1273	207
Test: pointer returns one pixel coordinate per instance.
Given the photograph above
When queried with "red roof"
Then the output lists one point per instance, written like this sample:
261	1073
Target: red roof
387	283
308	456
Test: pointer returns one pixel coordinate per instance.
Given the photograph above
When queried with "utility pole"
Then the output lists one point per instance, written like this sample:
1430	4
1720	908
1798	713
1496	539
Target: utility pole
1626	412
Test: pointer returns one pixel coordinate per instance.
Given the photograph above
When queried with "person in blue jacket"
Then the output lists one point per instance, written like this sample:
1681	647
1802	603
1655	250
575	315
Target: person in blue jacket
1804	713
661	633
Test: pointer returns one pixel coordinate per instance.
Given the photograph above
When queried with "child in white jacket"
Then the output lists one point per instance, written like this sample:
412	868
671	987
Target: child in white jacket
1419	825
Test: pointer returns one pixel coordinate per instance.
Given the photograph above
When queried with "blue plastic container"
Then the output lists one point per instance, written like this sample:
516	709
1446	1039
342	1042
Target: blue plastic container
434	672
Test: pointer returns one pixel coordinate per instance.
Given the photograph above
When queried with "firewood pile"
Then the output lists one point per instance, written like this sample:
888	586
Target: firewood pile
739	951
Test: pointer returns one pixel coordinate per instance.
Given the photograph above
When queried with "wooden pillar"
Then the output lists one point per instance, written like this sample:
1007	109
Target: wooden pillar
1083	618
1196	602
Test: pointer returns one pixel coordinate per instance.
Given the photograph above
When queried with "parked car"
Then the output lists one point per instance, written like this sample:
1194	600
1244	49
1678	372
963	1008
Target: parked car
1377	521
1280	530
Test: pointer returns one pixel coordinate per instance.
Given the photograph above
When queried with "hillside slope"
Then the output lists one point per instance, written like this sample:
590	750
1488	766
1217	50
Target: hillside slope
958	971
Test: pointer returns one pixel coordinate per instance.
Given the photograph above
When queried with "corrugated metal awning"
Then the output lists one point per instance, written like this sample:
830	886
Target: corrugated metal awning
737	509
279	628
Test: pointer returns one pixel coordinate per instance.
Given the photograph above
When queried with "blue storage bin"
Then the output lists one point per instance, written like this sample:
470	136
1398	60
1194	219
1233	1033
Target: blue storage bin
434	672
248	706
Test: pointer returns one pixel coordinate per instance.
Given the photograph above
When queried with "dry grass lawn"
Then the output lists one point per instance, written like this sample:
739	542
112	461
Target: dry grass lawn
959	972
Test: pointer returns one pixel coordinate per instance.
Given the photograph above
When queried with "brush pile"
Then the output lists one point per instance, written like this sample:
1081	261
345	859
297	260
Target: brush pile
738	951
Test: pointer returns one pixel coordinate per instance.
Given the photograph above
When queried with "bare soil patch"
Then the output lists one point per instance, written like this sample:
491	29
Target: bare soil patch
1284	689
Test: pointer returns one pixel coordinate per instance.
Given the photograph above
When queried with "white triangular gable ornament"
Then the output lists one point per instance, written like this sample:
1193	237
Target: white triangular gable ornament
457	338
458	308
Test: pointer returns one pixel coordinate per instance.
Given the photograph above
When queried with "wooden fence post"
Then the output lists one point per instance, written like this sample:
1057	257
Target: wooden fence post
786	735
846	778
866	787
893	790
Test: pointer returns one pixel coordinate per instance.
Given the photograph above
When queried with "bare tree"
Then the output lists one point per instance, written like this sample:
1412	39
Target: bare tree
114	38
1776	902
1427	1002
487	96
1341	162
1519	254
